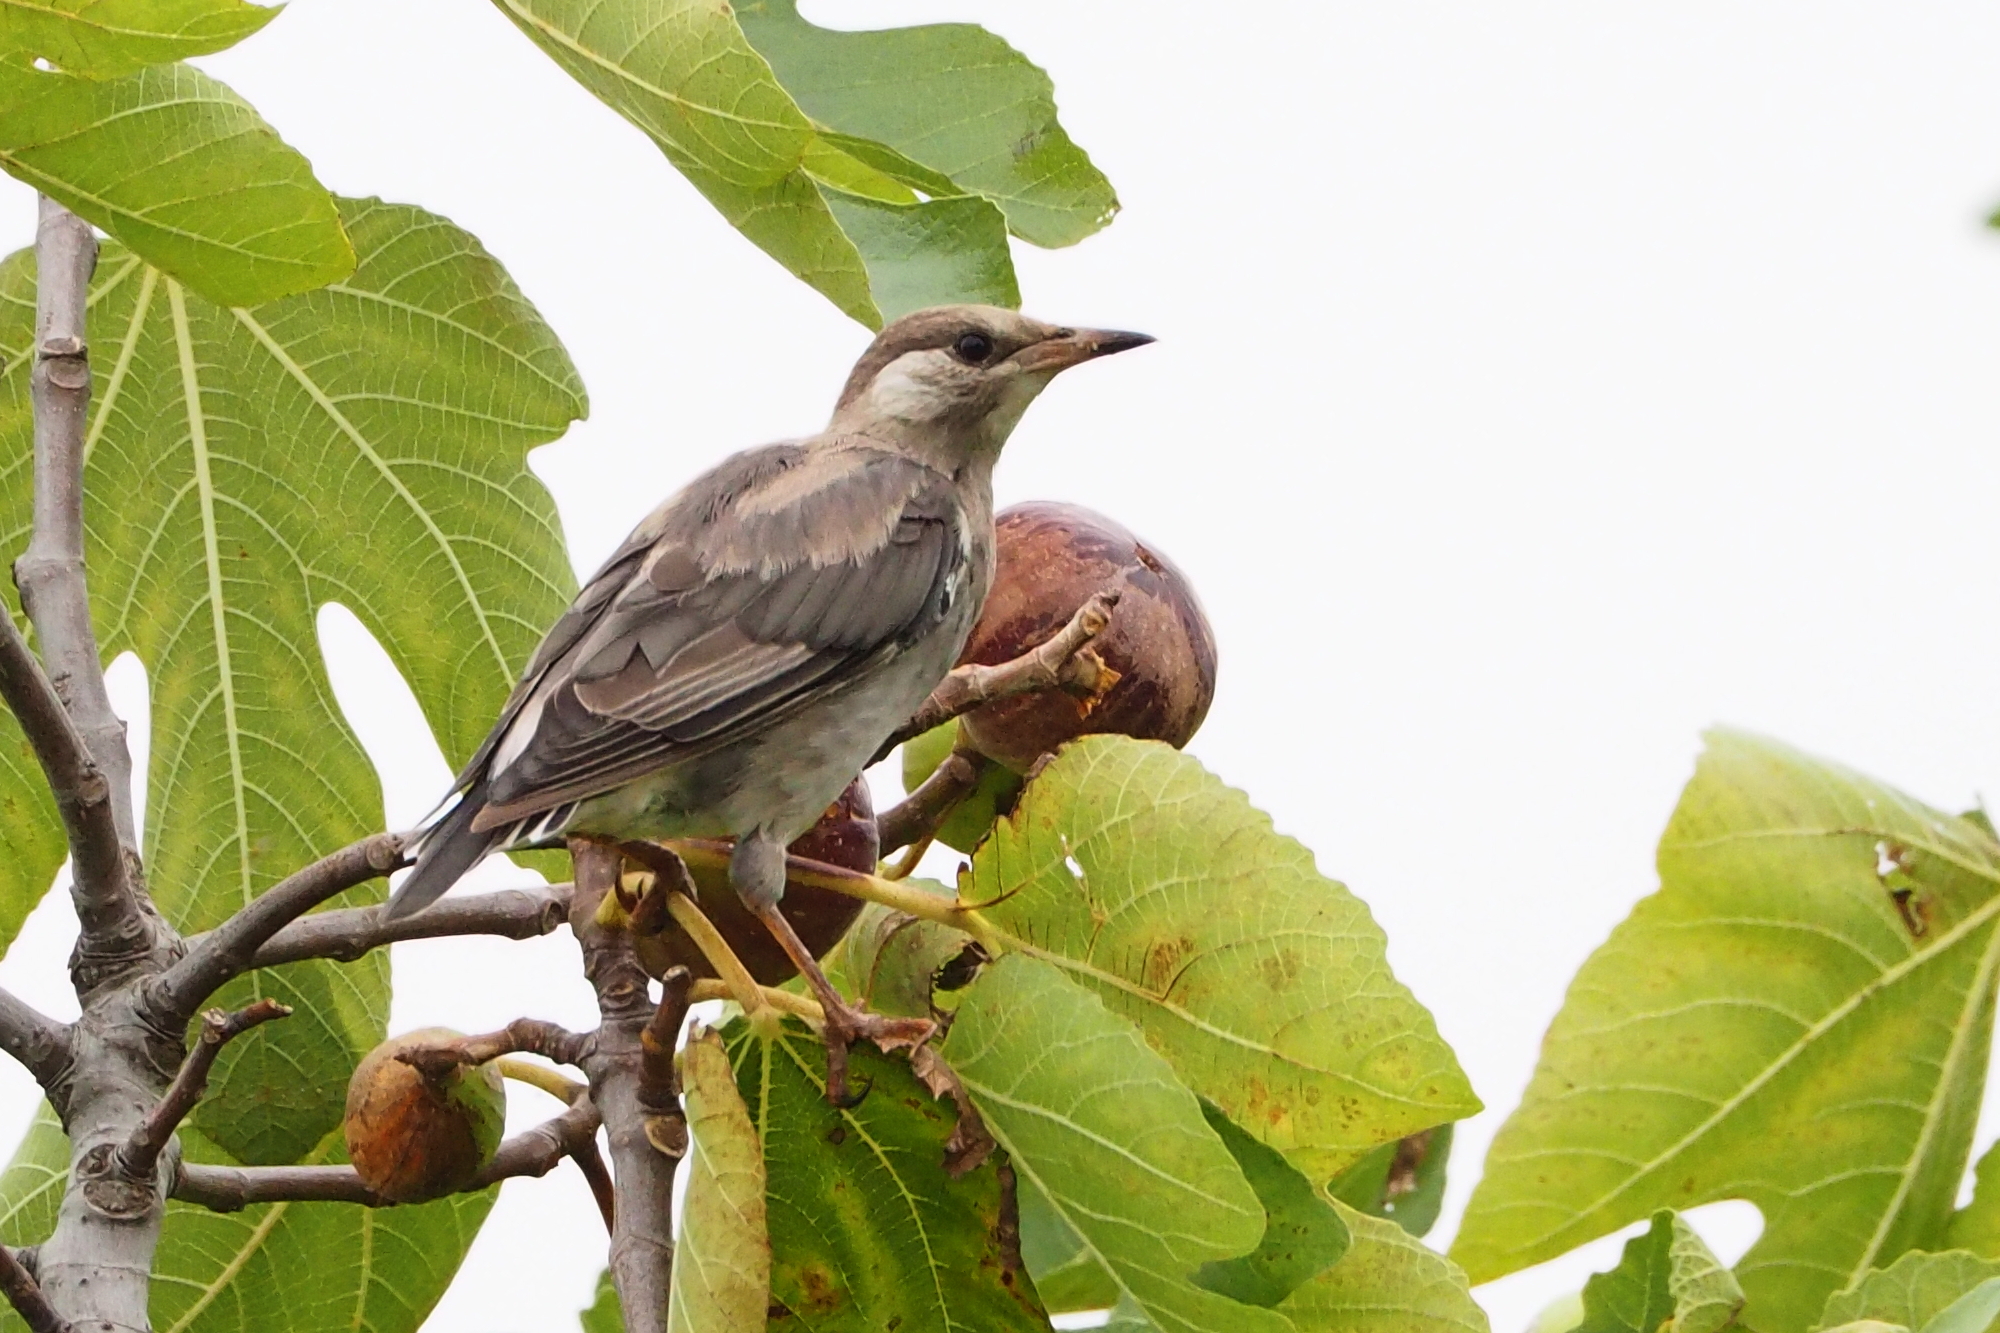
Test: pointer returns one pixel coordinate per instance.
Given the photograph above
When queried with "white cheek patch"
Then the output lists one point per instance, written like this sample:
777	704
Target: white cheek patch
912	387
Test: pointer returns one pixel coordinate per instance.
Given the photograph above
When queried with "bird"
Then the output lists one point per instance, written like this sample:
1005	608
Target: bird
736	662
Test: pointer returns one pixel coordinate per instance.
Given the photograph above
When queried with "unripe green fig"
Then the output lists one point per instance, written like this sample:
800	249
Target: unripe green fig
1051	559
413	1137
845	837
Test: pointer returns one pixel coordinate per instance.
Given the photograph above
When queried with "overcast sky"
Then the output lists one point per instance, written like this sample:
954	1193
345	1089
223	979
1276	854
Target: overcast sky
1538	384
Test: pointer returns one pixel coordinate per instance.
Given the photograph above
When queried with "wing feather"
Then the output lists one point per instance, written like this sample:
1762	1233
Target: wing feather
687	640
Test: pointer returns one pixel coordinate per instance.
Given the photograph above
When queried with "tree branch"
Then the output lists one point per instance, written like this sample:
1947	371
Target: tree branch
642	1119
1058	662
53	591
140	1156
534	1152
107	902
347	933
228	951
917	816
523	1036
39	1042
25	1295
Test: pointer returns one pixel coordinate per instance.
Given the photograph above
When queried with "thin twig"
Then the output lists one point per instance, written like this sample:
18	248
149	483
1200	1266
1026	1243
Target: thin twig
107	903
227	1189
646	1142
346	933
141	1153
25	1295
1058	662
523	1036
39	1042
918	816
115	927
598	1176
799	1006
227	951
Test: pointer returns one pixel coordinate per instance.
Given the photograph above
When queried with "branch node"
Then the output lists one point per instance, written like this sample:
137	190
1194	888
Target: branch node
138	1158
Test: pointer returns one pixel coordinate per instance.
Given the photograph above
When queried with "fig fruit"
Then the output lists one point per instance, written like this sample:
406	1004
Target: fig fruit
1052	558
844	836
412	1137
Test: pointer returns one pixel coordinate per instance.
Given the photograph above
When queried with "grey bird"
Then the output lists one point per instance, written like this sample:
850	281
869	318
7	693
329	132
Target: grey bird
739	658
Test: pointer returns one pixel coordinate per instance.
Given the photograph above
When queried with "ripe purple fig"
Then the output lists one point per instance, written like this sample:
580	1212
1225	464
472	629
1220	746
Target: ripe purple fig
413	1137
1052	558
845	837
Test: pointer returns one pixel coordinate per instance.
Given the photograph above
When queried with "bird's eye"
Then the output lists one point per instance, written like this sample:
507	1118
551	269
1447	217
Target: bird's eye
973	347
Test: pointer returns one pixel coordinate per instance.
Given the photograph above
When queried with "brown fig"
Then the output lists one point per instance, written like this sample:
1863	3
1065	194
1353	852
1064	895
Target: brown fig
1052	558
845	837
413	1137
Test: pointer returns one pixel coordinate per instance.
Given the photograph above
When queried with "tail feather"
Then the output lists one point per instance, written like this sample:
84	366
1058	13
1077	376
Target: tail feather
445	851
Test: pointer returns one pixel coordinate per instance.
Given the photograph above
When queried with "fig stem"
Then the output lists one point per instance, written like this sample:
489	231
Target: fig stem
1040	668
918	816
139	1156
743	987
868	888
902	866
789	1002
565	1090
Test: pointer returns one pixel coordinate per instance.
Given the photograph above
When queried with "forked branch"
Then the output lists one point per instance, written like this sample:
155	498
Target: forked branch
229	950
56	598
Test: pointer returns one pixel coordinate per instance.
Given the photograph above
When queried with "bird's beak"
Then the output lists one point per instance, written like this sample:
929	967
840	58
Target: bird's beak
1068	347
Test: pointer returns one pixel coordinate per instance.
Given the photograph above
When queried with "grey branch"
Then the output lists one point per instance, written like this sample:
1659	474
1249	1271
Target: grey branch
1058	662
642	1120
918	815
230	949
534	1152
50	576
39	1042
347	933
25	1295
523	1036
140	1156
107	903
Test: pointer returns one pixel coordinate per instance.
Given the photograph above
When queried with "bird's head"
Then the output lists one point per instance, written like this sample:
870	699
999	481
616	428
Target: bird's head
955	379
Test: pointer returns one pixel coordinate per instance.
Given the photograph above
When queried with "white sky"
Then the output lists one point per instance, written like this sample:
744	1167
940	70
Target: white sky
1538	384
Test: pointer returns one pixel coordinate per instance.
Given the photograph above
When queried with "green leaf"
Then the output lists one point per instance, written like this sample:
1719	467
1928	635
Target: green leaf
722	1265
603	1314
966	827
1141	876
182	170
1303	1233
951	99
1915	1291
1066	1272
888	959
101	39
1799	1017
1098	1122
273	1266
1971	1313
1976	1226
1666	1281
1403	1181
868	1231
1387	1283
686	75
364	444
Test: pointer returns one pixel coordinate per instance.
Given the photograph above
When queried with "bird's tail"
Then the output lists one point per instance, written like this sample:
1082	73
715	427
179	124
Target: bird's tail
445	850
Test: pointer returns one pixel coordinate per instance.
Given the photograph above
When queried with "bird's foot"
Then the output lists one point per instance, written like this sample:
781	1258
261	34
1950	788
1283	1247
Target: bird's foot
848	1023
845	1022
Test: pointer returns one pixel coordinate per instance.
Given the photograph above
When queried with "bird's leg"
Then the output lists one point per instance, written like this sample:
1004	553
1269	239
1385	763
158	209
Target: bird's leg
757	870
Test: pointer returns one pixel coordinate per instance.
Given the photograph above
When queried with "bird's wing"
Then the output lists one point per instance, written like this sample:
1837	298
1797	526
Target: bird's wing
760	591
